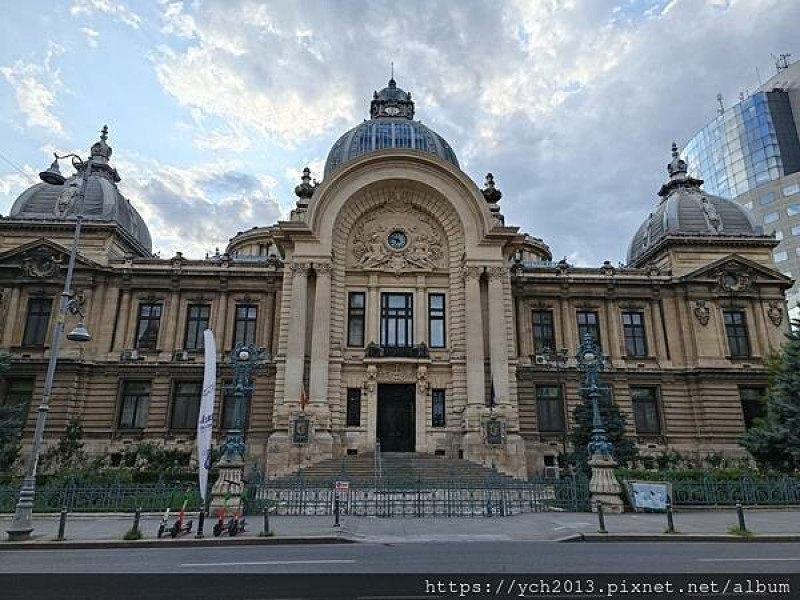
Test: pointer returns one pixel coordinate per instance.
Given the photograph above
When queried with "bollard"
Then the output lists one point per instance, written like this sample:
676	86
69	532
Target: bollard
266	520
336	510
740	514
62	524
670	522
136	518
200	522
601	518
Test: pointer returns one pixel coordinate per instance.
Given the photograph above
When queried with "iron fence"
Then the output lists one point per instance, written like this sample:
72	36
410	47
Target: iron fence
708	491
77	496
402	498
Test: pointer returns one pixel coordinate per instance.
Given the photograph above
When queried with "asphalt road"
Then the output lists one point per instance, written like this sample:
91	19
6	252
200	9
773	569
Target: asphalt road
466	557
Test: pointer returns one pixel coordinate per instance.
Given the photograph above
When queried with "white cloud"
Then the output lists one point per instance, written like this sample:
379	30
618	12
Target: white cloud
91	36
119	11
194	210
36	86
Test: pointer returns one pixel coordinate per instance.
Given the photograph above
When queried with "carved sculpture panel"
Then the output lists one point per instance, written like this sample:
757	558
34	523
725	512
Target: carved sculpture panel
397	237
775	313
702	312
41	263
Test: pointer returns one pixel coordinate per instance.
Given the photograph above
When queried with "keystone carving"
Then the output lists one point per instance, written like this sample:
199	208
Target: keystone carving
775	313
702	312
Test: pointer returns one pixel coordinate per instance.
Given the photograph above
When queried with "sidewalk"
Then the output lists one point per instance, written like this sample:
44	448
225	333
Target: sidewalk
548	526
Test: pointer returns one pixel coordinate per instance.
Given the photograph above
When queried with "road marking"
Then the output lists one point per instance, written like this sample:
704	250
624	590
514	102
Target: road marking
269	562
740	559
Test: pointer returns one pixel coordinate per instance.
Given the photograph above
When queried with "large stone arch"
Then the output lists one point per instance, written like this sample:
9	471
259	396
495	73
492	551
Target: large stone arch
444	182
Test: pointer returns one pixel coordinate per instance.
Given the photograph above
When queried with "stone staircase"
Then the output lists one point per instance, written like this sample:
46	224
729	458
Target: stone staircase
401	466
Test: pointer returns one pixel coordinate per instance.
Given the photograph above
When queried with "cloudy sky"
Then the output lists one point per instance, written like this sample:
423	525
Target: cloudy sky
215	106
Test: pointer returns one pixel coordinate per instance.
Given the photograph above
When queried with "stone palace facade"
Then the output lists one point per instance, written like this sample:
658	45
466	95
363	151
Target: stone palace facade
395	305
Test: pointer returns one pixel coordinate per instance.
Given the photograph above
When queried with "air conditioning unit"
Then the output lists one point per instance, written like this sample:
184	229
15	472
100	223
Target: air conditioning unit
541	360
180	355
130	355
551	472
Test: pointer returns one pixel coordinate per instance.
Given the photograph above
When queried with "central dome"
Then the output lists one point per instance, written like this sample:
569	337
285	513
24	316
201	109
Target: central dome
391	125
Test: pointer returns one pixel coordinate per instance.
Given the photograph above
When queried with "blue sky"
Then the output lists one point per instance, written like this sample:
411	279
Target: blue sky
215	106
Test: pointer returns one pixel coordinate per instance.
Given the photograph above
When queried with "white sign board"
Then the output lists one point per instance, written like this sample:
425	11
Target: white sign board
650	495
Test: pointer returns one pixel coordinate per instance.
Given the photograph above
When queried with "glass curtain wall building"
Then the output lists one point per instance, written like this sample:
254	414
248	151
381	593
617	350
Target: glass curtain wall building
751	153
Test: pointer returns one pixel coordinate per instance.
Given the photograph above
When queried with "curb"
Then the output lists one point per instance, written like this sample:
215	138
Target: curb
179	543
574	537
679	537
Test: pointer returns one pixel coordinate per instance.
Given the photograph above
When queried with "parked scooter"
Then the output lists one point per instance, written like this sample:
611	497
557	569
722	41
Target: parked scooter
236	523
181	525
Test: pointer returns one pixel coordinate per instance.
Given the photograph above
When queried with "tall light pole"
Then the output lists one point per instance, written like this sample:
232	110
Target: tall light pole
22	525
604	488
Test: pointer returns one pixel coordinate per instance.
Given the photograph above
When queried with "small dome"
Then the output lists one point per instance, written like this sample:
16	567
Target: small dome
391	125
686	210
103	201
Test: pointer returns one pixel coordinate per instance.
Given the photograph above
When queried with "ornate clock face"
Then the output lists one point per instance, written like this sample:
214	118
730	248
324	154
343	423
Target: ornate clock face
398	240
392	111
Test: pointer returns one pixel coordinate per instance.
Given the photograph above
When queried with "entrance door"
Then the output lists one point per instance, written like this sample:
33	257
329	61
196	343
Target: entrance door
396	417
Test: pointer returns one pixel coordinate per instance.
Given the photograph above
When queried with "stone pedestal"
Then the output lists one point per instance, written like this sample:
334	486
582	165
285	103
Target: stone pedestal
229	480
604	488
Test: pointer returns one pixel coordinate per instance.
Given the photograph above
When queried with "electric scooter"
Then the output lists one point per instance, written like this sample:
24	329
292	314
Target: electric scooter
236	523
181	526
162	526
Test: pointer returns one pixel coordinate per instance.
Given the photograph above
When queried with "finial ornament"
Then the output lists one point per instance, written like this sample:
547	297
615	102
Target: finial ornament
104	133
678	174
305	190
490	192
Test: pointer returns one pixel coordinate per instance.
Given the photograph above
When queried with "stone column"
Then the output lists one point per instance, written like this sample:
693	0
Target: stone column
123	341
320	344
269	321
296	345
220	319
476	389
372	333
12	317
498	342
660	350
420	313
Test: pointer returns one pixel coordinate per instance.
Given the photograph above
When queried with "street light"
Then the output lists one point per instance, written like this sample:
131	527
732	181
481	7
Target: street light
244	359
590	360
22	525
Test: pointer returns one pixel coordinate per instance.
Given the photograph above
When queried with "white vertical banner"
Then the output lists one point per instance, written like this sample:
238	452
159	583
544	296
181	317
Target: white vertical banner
205	418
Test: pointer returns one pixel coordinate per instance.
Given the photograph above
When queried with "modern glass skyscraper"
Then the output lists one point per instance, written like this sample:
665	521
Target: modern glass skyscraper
751	153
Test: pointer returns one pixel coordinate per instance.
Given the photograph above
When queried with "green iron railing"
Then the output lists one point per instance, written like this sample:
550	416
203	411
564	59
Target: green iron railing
708	491
407	498
78	496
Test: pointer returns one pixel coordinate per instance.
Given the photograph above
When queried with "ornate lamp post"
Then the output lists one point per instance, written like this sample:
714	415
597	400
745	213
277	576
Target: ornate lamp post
244	359
22	525
603	487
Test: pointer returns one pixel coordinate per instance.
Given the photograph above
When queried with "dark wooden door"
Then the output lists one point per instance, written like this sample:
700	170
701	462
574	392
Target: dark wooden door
396	417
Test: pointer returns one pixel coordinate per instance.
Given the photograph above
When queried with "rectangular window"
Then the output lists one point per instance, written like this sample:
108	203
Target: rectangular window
767	198
353	407
633	328
645	410
793	210
148	325
355	319
437	408
791	189
186	404
795	229
770	218
781	256
135	405
244	325
736	330
19	392
397	321
753	405
229	408
549	409
197	317
37	320
436	320
544	335
588	323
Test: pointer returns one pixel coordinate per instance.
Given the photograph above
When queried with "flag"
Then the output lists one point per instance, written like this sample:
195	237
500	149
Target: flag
492	397
205	418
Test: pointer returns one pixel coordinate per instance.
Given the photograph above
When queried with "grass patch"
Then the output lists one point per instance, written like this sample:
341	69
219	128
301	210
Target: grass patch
266	533
736	530
132	535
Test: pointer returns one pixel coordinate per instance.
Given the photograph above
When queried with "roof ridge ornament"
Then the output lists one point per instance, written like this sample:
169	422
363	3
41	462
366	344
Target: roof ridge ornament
678	174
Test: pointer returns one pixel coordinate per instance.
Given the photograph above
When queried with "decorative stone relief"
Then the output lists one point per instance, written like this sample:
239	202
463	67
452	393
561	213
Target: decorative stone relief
397	237
711	215
323	269
422	379
370	385
298	268
734	278
396	373
775	313
497	272
470	272
66	200
41	263
702	312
